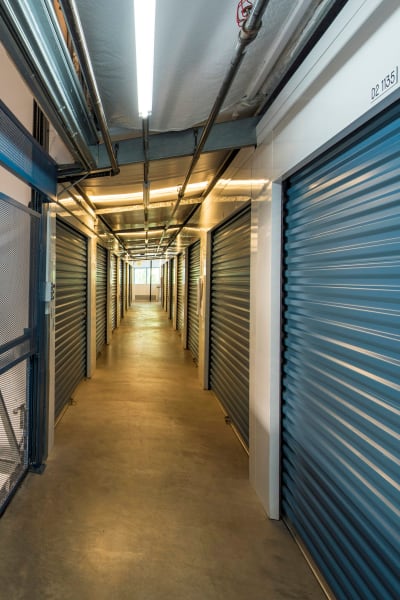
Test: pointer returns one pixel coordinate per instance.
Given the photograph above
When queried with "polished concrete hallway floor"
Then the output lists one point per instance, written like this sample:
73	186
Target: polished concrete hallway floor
146	493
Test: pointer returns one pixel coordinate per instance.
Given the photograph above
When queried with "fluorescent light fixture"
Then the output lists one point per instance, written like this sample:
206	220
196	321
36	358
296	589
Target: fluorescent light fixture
145	17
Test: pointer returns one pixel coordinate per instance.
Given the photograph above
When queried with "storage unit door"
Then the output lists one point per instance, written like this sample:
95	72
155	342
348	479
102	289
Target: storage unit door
101	298
122	288
71	313
172	289
193	316
341	376
114	291
165	283
229	319
180	292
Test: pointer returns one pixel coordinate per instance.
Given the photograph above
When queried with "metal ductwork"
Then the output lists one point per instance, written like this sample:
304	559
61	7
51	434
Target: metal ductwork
247	34
76	31
314	22
32	36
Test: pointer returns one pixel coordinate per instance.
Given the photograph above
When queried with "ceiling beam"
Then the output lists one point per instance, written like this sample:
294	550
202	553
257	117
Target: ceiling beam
173	144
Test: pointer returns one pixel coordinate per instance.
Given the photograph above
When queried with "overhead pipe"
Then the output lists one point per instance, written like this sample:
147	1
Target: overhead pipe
74	25
228	160
39	54
247	34
146	167
313	25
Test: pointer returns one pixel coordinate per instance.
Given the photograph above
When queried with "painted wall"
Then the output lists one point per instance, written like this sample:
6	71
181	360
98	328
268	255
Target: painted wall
17	97
333	91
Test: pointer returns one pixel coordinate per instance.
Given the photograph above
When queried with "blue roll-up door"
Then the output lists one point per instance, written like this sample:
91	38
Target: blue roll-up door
193	314
172	293
180	292
167	286
230	319
71	313
121	289
341	371
114	291
101	298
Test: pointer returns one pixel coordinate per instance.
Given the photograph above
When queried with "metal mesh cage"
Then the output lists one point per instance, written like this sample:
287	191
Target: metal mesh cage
19	228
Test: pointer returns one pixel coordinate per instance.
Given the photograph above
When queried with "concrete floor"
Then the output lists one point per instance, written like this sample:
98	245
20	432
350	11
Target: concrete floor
146	493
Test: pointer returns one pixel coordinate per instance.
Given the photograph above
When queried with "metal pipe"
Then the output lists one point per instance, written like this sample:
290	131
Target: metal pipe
146	167
314	23
247	34
81	204
145	130
32	36
74	25
228	160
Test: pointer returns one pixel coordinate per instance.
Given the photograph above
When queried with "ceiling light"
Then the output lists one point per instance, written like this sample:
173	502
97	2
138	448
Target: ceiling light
243	182
145	16
154	193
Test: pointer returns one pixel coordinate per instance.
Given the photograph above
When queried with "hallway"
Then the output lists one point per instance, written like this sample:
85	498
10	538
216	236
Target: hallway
146	493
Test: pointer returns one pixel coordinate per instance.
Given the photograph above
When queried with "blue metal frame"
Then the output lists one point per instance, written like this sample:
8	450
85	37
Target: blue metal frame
21	154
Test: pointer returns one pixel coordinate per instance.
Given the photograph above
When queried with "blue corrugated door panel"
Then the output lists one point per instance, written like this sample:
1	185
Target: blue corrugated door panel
341	375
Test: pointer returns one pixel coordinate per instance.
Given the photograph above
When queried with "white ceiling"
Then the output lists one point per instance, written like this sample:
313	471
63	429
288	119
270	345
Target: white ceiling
195	43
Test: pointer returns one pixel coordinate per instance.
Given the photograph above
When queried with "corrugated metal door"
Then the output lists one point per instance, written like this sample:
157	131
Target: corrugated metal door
193	315
180	292
114	291
71	313
229	319
167	287
129	285
101	298
341	377
122	288
172	289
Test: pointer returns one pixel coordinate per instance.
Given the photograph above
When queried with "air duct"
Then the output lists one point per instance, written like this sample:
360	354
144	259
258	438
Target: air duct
32	36
74	25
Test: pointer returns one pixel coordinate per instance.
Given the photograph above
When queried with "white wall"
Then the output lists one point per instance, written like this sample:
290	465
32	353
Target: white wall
17	97
330	94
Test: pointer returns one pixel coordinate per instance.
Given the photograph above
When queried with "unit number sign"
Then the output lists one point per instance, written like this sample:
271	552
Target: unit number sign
389	81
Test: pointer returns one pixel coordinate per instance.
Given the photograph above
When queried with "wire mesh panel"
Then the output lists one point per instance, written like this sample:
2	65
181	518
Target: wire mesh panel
19	231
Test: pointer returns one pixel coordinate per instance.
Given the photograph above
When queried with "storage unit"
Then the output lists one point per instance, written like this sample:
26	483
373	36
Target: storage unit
101	298
167	285
71	313
229	318
341	382
114	291
180	292
172	288
192	313
121	289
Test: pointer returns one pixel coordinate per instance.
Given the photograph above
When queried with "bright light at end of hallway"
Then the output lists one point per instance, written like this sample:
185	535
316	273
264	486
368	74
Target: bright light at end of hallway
145	17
